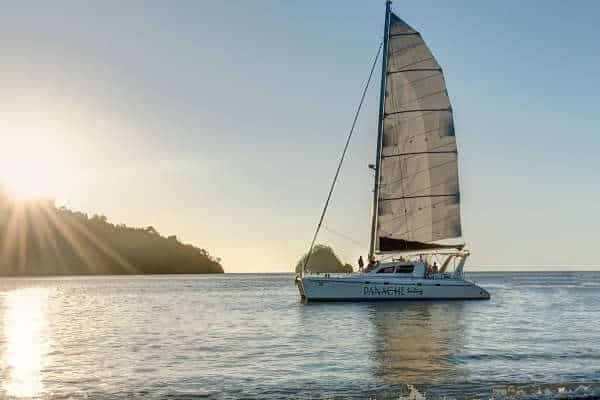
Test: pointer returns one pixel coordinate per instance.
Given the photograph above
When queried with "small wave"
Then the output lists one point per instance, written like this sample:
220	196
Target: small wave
557	392
518	392
413	394
527	356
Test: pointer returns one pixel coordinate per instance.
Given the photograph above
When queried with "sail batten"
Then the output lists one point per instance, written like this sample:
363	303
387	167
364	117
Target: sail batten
418	196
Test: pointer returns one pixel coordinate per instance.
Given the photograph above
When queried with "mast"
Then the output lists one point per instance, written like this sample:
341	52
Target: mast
386	34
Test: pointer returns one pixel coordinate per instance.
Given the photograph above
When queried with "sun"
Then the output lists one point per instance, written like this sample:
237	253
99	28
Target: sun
31	166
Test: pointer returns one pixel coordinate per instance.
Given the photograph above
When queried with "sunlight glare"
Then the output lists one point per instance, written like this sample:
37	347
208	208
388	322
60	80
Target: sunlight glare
32	166
25	331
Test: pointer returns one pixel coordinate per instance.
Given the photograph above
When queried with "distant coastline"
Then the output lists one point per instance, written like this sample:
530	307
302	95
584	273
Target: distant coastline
39	239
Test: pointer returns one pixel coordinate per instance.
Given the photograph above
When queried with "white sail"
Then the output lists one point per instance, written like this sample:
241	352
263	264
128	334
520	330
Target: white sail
415	193
418	200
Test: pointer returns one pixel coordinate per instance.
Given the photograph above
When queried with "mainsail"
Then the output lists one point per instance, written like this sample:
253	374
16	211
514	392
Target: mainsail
417	198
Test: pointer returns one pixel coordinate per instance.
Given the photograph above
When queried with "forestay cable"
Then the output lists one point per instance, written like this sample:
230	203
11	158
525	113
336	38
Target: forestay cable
339	167
348	238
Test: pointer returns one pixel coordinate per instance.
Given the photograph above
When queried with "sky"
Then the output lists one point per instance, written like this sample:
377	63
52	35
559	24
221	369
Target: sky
222	121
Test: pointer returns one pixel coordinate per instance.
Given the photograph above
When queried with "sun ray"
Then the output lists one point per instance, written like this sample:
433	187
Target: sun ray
47	227
44	241
49	238
71	238
10	245
103	246
69	232
22	243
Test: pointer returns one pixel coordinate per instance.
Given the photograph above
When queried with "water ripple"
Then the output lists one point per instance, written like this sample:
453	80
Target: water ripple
247	336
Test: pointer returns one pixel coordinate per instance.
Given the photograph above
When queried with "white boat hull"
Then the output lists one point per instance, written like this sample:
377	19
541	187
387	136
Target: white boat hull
362	287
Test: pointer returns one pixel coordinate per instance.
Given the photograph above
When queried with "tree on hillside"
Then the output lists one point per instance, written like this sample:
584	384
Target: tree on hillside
37	238
323	259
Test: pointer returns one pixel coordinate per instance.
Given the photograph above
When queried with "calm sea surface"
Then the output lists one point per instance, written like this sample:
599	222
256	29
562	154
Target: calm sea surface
248	336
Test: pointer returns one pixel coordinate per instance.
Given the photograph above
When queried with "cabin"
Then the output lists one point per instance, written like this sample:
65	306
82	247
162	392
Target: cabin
400	270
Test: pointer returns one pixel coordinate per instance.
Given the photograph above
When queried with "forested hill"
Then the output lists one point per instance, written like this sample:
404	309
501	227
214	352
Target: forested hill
323	259
37	238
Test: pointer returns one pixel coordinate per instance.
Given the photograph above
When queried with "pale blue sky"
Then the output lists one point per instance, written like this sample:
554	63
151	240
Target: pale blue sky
222	121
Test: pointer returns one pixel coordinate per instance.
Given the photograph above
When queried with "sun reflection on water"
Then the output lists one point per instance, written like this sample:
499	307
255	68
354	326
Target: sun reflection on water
25	341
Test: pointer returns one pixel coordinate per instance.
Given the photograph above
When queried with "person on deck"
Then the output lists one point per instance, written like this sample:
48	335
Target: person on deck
361	263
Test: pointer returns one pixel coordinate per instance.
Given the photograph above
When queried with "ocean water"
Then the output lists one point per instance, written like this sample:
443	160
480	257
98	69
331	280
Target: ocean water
248	336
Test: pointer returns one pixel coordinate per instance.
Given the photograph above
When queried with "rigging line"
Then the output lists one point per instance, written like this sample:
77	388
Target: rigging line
406	118
404	34
420	153
432	150
422	196
339	167
400	71
387	257
356	242
449	109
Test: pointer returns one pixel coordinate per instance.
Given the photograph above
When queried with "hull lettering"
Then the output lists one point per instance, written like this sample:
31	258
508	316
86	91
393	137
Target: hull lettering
393	291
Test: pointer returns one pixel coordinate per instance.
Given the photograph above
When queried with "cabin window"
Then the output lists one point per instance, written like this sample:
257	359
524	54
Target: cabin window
405	269
386	270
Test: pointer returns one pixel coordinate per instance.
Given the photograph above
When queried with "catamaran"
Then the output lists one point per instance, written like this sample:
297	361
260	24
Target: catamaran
416	197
